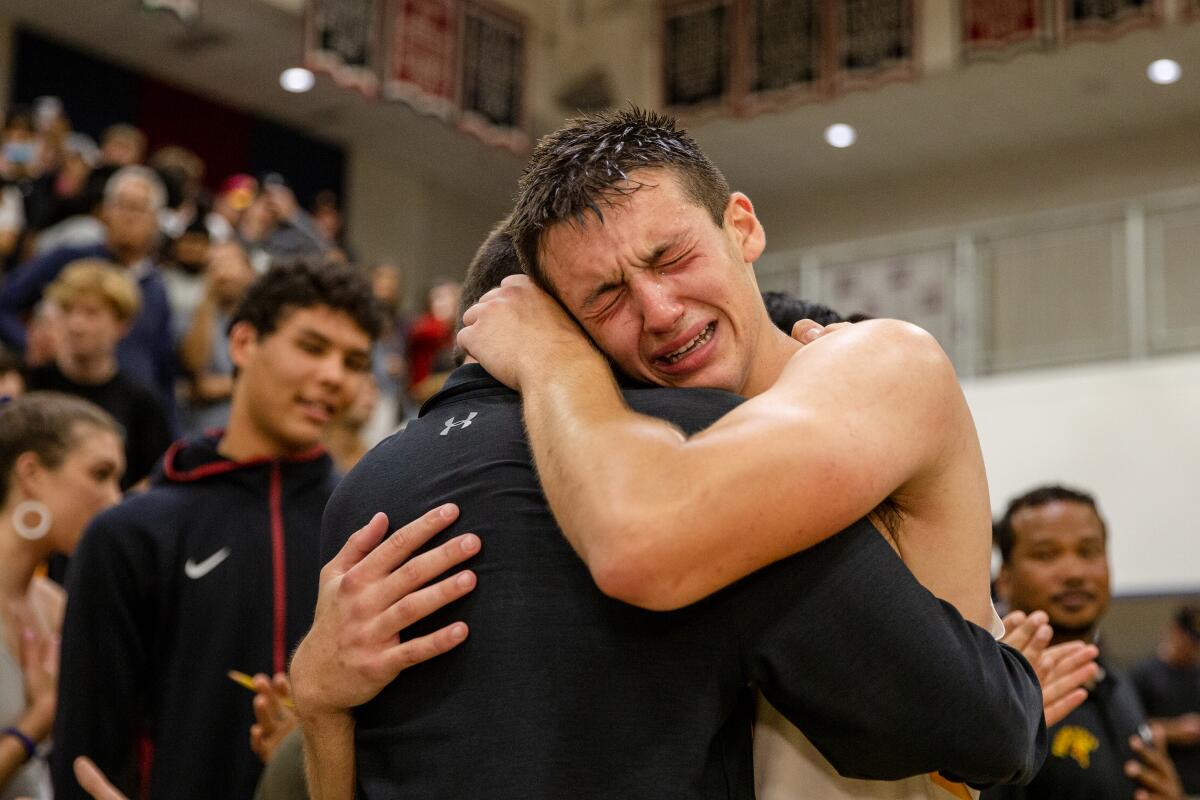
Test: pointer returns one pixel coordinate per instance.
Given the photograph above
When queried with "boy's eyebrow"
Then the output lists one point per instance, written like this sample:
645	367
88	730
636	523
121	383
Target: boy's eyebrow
315	334
594	295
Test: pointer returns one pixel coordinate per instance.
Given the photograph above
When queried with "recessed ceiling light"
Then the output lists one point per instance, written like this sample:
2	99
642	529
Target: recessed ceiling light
297	80
1164	71
840	135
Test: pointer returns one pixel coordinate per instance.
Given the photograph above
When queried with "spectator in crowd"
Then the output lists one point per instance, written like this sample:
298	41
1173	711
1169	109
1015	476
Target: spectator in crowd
21	150
132	200
122	145
329	222
234	196
346	439
97	303
80	222
12	381
254	227
12	221
390	361
215	566
431	341
181	172
183	270
52	129
60	460
327	217
42	334
1054	549
60	194
204	349
275	229
1169	685
18	162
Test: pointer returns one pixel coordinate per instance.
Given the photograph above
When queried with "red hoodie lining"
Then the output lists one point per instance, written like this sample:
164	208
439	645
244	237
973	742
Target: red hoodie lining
225	465
280	573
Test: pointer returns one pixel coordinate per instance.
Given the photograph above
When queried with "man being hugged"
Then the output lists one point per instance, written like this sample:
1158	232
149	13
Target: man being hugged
622	221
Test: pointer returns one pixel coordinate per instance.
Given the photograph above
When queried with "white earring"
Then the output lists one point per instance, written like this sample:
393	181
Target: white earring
38	529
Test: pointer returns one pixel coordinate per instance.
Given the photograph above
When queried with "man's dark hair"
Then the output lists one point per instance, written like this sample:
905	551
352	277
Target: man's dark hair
1002	531
585	166
290	286
494	261
785	311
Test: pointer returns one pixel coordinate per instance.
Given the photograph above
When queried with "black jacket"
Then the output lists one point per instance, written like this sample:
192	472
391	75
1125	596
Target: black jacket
214	568
562	692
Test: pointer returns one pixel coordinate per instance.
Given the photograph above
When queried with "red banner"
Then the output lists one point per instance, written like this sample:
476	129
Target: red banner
993	26
423	60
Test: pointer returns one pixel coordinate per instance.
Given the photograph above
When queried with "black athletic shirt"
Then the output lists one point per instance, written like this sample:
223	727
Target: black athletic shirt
147	433
1168	691
562	692
1088	749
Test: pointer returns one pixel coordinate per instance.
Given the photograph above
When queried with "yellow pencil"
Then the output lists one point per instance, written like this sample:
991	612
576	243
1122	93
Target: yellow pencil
242	679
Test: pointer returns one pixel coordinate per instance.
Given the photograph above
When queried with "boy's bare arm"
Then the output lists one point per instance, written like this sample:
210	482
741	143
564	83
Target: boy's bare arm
663	520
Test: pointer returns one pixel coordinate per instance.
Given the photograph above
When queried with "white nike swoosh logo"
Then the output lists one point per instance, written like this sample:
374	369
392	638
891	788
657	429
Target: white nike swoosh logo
196	571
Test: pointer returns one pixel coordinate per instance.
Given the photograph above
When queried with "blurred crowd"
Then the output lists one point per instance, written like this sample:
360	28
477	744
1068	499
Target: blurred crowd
120	270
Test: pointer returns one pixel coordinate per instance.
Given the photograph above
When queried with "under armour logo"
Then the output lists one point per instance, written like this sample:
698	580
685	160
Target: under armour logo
452	423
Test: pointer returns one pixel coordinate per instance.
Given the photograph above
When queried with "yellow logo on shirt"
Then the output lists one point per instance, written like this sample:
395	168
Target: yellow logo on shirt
1074	742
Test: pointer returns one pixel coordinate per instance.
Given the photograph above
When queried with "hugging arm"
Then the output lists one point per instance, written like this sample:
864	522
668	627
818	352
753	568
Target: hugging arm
371	590
852	420
886	680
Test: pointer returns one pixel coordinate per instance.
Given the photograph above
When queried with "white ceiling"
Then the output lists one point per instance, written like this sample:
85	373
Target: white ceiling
983	112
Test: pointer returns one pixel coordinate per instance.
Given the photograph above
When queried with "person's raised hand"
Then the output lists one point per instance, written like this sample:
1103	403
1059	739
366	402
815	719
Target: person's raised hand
274	716
1029	633
1152	769
1062	670
39	671
516	329
369	593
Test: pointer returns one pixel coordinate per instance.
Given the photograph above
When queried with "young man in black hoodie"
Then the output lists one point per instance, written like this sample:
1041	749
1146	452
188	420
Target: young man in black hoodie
215	567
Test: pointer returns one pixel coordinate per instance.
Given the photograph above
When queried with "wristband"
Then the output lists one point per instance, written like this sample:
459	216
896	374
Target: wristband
29	745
